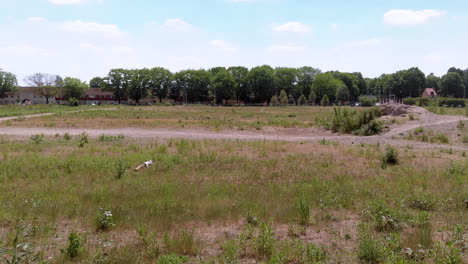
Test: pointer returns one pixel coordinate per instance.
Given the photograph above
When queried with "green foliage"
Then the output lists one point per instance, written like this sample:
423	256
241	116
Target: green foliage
283	98
367	101
303	208
67	136
417	101
342	94
21	251
38	139
274	101
452	85
264	242
106	138
313	97
104	220
383	218
302	100
230	253
84	139
325	101
184	243
390	157
8	83
121	168
73	101
326	85
75	247
73	88
363	123
370	250
452	102
422	201
172	259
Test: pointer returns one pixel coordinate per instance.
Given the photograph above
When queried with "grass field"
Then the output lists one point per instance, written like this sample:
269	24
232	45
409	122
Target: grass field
180	117
22	110
229	201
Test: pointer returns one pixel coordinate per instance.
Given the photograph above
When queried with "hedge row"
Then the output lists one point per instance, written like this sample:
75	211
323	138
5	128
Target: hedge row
451	102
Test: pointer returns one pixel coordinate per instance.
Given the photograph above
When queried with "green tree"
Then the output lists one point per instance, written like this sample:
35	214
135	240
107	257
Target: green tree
96	82
433	81
342	94
283	98
117	81
452	85
305	78
138	84
261	82
286	79
74	88
326	84
241	87
302	100
8	83
223	85
312	97
325	101
159	82
193	85
414	81
351	82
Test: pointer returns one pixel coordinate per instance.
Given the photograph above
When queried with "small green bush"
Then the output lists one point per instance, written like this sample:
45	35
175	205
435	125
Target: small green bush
367	101
370	250
67	136
274	101
390	157
38	139
302	100
312	97
75	247
363	123
325	101
264	242
304	212
105	220
172	259
121	168
283	98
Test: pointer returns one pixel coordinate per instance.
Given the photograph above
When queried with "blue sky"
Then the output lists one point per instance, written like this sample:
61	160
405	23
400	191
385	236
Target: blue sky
86	38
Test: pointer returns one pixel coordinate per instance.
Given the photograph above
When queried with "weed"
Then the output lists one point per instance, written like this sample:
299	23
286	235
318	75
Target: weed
252	218
84	139
121	168
149	241
314	254
390	157
75	247
172	259
230	253
21	252
105	220
303	208
264	242
67	136
363	123
38	139
422	201
369	249
383	217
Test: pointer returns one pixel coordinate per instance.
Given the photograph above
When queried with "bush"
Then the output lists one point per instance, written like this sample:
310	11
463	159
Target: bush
302	100
84	139
383	217
390	157
74	102
363	123
172	259
274	101
265	241
105	220
74	248
67	136
38	139
283	98
342	94
370	250
452	102
417	101
304	212
367	101
312	97
325	101
121	167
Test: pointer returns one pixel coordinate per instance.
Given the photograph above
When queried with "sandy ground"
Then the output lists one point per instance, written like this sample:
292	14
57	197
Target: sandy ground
423	118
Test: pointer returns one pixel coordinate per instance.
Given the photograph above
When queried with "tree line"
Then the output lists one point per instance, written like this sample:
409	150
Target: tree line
262	84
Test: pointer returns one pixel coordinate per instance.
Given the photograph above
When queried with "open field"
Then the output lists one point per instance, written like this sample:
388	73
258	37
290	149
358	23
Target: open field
21	110
207	117
299	195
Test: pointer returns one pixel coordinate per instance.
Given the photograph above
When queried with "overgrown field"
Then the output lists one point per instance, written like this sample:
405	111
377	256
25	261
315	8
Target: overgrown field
21	110
78	200
183	117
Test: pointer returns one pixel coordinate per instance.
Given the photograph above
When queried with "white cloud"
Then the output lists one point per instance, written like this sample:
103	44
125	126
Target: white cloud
91	28
36	19
24	50
177	25
121	49
66	2
411	17
365	43
286	48
222	45
294	27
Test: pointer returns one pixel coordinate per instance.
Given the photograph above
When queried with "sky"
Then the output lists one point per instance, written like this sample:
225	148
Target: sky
87	38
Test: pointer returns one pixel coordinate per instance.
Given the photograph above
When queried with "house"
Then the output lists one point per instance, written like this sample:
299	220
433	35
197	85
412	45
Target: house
97	96
26	95
429	93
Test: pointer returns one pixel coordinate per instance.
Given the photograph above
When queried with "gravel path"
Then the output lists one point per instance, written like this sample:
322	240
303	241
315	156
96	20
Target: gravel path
424	119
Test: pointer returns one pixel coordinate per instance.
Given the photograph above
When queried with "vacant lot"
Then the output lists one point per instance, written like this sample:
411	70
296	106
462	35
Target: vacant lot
209	199
213	118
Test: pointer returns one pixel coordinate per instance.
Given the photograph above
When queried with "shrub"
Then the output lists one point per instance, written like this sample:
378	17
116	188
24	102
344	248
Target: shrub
367	101
312	97
84	139
369	249
230	254
264	242
325	101
304	212
74	102
105	220
67	136
274	101
417	101
422	201
121	167
383	218
283	98
302	100
364	123
75	247
38	139
452	102
172	259
314	254
390	157
342	94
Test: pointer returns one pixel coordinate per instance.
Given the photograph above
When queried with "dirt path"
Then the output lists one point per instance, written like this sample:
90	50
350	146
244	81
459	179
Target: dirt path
425	119
3	119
